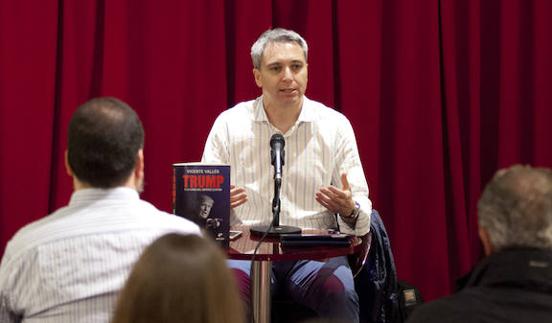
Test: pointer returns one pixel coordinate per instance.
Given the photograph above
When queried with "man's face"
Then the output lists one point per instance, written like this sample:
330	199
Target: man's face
205	207
283	74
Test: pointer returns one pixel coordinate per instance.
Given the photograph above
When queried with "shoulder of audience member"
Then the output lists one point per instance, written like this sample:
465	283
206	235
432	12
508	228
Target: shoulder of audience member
450	309
184	224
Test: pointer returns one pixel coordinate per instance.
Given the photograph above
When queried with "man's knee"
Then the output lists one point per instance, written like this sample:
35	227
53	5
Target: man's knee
334	289
338	296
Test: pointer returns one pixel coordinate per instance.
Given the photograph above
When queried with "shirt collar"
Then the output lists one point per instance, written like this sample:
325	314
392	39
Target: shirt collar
514	266
93	194
306	115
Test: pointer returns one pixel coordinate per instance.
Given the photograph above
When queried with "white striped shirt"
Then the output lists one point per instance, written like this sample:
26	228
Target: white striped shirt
318	149
70	265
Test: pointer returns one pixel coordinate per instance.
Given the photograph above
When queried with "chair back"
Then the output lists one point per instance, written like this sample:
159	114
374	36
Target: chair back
376	284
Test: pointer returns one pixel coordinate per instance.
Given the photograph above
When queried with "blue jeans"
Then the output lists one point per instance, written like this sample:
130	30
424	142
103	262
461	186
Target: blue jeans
325	287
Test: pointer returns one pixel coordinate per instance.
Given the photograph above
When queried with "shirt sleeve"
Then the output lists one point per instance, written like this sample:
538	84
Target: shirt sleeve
217	151
216	147
7	311
6	315
348	162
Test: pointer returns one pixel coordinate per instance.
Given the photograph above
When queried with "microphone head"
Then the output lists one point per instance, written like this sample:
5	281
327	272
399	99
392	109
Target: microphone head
277	139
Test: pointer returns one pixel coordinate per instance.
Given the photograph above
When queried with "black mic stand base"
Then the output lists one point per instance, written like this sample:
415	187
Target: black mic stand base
275	231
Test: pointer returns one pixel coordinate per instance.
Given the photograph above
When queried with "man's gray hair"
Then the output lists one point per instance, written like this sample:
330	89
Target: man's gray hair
516	208
277	35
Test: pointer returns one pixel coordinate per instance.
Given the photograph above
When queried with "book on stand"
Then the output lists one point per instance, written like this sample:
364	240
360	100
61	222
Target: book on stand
201	193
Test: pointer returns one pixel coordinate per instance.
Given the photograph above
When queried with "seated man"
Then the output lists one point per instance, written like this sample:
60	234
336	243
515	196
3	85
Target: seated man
514	282
323	183
70	265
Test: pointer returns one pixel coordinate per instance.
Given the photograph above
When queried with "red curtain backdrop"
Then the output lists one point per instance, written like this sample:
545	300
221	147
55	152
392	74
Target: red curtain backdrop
440	93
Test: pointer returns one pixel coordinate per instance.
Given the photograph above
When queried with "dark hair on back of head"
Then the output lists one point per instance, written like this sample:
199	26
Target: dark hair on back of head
104	138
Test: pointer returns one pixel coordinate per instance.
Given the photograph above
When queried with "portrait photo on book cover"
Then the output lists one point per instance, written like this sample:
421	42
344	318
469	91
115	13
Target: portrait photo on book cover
200	208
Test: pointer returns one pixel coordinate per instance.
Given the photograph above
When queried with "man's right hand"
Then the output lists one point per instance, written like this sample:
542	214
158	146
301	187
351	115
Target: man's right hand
237	196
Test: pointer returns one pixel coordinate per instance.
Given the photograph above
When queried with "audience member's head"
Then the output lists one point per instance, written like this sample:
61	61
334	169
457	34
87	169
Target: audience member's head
276	35
180	278
515	209
105	143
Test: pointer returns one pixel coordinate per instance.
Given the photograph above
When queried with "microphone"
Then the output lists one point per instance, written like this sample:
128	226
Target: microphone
277	155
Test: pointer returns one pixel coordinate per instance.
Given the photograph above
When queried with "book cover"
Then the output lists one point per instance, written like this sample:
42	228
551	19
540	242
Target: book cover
201	193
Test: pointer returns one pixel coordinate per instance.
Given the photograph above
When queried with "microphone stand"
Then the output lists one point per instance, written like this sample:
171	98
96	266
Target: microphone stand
275	229
276	202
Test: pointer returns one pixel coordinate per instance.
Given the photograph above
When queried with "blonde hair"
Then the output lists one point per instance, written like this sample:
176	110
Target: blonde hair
180	278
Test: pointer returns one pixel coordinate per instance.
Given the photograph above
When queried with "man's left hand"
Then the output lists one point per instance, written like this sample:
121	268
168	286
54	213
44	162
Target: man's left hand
337	200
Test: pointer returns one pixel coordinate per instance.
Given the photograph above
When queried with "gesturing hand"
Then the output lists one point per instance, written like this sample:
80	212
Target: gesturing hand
337	200
237	196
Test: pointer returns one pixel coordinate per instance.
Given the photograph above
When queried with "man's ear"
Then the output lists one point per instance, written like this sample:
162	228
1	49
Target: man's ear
139	168
68	169
257	75
488	247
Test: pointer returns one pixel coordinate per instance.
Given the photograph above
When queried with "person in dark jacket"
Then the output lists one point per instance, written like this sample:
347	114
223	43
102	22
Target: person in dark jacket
514	282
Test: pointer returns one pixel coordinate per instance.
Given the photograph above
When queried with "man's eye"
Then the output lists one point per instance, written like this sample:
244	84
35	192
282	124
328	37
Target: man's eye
276	68
296	67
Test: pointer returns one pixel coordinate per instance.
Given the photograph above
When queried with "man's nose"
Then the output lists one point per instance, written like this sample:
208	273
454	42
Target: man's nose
288	74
